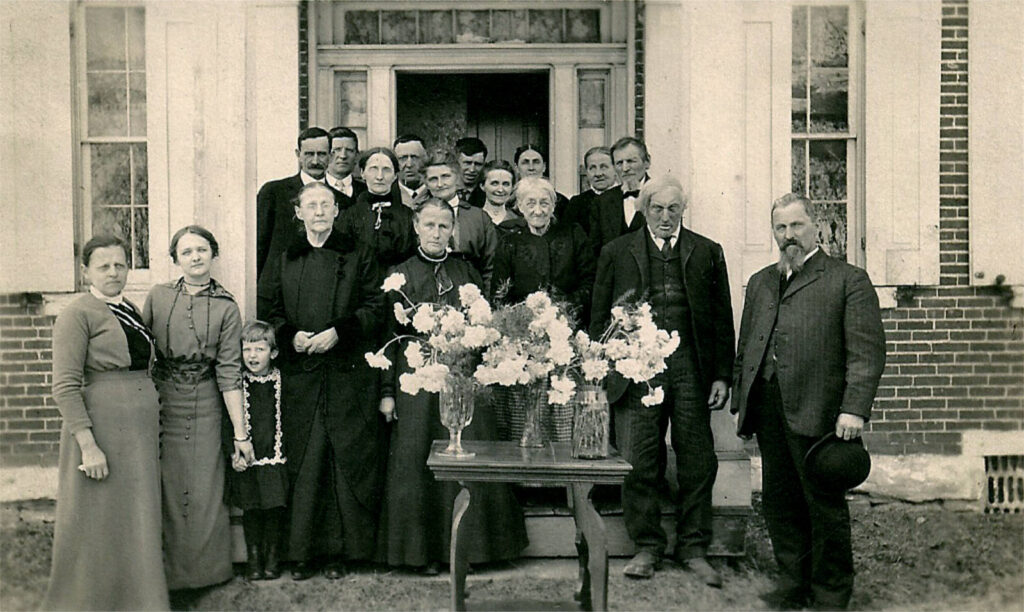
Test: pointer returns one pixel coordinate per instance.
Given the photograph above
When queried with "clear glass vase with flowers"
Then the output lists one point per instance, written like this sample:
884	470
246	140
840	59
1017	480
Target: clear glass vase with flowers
443	346
632	347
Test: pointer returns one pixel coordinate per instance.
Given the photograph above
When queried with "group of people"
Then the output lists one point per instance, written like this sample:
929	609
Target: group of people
283	417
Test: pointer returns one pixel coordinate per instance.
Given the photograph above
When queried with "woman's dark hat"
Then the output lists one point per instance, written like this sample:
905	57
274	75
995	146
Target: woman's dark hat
837	464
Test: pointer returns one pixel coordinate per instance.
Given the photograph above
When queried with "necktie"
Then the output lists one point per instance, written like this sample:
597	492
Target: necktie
127	316
666	248
632	193
783	285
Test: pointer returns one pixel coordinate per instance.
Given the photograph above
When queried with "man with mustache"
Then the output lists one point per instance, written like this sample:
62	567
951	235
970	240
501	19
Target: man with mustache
276	223
411	183
683	276
811	352
616	211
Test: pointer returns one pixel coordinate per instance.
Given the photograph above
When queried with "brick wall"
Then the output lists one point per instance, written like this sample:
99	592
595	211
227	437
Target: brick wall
638	67
29	421
955	362
953	247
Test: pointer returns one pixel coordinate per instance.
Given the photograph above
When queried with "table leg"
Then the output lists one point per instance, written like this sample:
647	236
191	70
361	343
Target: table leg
458	563
594	590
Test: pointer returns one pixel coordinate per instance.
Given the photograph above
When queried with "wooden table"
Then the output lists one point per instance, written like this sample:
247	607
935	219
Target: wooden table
500	461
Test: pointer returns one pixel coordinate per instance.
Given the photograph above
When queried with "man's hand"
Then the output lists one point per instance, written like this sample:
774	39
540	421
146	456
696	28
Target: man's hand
719	395
849	426
323	342
301	341
387	408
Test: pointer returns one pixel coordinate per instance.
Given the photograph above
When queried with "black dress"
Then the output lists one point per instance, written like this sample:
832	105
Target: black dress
264	484
416	517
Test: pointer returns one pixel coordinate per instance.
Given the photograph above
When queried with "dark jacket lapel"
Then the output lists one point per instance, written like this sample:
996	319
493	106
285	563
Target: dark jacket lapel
638	249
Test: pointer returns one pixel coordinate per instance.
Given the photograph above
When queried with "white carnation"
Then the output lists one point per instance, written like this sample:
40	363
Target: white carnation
538	301
453	322
394	282
595	369
414	355
654	397
469	294
423	320
377	360
401	314
562	390
480	312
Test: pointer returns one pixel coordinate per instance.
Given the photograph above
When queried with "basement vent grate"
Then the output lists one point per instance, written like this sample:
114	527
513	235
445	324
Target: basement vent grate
1005	476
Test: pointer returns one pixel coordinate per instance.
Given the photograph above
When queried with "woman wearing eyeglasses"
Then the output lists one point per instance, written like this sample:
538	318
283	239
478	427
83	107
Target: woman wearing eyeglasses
324	300
417	513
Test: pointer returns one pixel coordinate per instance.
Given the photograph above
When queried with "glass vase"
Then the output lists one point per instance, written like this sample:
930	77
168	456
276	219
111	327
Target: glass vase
456	401
590	423
536	400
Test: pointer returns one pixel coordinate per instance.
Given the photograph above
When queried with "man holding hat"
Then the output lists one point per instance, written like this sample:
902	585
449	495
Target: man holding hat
811	352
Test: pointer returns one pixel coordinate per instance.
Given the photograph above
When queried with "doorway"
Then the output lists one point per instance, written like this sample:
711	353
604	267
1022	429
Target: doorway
503	109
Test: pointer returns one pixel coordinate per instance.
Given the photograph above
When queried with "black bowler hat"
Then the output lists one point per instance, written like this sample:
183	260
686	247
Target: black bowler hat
837	464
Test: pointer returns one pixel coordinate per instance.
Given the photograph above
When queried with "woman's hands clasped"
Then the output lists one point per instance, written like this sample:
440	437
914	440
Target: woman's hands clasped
243	455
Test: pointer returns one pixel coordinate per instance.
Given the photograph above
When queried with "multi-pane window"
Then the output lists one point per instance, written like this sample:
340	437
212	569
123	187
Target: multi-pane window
825	120
467	26
112	128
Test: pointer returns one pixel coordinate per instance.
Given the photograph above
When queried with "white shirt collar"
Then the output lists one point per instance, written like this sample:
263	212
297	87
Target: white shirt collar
307	179
343	185
117	299
412	193
660	242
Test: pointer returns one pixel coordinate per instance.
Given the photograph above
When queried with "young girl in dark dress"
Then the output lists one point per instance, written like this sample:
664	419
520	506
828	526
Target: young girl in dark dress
260	488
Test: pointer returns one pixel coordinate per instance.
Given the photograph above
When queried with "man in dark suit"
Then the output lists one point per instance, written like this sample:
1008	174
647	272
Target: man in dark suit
811	352
472	154
411	183
615	212
601	176
340	171
276	224
683	276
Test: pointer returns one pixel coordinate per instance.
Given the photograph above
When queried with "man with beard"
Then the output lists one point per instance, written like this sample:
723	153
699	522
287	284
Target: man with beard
615	211
411	154
344	155
811	352
276	224
601	176
472	156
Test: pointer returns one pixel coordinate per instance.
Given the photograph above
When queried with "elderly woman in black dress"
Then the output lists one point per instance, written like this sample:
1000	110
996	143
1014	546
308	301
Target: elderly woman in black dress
539	252
324	300
417	512
106	548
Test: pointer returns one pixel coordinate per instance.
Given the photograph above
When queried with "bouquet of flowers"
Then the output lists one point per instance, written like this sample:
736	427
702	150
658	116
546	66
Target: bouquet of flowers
448	342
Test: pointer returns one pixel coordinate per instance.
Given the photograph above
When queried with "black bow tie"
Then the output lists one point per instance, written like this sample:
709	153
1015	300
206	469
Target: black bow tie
635	193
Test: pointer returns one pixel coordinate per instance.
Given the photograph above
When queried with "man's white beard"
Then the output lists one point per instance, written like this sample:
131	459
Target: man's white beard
791	259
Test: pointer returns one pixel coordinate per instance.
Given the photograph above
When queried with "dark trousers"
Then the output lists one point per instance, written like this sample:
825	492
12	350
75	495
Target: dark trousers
326	518
640	437
809	527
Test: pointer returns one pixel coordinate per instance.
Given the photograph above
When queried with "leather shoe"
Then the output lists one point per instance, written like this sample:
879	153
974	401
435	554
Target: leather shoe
334	571
431	569
642	566
705	571
786	599
302	571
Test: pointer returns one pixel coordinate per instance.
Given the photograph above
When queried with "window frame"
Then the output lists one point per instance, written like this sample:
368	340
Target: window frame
856	215
138	278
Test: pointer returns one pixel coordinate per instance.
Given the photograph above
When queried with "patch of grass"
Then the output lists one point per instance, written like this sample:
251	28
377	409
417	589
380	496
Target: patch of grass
908	557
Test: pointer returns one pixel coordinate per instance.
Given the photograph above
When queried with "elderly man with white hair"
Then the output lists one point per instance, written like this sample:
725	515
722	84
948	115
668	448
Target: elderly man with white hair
683	276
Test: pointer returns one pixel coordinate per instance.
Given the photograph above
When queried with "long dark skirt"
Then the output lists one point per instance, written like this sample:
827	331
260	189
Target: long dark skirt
106	544
197	534
416	520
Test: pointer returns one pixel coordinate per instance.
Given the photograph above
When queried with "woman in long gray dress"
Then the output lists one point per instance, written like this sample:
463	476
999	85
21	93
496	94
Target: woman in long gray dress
198	374
106	545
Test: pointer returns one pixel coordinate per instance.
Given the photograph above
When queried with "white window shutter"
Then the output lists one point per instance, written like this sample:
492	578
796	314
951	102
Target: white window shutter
996	141
901	140
36	190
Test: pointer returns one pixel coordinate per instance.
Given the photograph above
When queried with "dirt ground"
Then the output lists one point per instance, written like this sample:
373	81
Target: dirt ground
908	557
